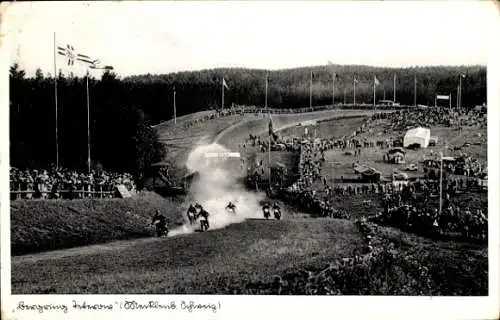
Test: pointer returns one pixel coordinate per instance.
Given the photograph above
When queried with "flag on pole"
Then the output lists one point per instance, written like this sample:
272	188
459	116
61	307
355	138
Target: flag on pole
355	80
69	52
85	59
376	81
224	83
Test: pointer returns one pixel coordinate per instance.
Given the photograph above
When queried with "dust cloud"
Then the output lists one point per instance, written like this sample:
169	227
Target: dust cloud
219	181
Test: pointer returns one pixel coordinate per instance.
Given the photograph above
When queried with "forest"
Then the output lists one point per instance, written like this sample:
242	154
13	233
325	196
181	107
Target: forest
122	109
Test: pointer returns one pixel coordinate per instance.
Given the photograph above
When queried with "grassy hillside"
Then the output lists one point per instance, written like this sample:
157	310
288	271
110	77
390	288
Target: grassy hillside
258	126
49	225
199	263
401	264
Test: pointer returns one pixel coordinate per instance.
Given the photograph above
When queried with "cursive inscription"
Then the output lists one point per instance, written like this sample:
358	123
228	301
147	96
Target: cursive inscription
128	305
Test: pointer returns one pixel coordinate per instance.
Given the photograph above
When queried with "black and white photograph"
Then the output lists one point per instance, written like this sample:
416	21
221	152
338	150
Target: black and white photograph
247	148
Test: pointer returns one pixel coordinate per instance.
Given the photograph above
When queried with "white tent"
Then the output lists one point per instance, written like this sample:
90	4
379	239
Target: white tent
420	136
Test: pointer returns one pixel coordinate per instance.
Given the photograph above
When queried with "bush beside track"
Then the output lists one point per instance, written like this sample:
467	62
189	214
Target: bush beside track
57	224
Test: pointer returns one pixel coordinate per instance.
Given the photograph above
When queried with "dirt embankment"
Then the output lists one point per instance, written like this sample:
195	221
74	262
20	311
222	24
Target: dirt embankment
49	225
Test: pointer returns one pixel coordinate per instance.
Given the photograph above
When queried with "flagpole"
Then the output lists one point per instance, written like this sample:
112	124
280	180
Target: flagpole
374	97
310	90
88	121
269	152
333	89
441	185
458	96
223	93
394	89
55	99
354	92
460	84
344	95
175	109
266	90
415	91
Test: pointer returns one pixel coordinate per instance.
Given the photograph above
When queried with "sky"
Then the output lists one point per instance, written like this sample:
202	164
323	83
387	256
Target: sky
169	36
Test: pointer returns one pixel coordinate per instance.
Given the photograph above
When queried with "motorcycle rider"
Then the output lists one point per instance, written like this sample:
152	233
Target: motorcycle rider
204	217
266	208
231	206
276	211
161	223
191	213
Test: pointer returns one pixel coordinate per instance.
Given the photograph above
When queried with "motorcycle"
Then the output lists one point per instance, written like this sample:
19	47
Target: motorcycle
267	214
203	224
277	214
161	230
231	207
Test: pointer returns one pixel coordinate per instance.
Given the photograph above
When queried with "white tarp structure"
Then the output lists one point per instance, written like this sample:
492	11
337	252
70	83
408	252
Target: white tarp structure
420	136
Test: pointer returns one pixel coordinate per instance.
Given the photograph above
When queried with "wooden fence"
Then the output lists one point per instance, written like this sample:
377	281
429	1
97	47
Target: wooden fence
60	194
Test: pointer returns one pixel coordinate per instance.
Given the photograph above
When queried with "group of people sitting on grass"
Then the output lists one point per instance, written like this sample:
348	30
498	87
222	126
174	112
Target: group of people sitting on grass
63	183
405	119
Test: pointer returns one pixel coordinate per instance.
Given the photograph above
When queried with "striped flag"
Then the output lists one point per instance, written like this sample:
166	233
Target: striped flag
85	59
69	52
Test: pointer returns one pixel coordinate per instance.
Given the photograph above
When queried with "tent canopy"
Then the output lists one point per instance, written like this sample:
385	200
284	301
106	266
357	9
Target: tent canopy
420	136
396	150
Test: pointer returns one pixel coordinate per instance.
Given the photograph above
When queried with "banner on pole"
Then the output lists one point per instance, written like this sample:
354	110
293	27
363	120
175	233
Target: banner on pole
222	155
442	97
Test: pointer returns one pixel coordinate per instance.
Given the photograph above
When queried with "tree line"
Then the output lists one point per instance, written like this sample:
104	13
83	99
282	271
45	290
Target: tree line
123	109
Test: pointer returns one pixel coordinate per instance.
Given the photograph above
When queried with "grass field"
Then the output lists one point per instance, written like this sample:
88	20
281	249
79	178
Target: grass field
199	263
48	225
326	129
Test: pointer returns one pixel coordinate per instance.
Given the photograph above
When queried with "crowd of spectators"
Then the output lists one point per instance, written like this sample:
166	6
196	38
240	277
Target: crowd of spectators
211	116
61	183
425	117
416	209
